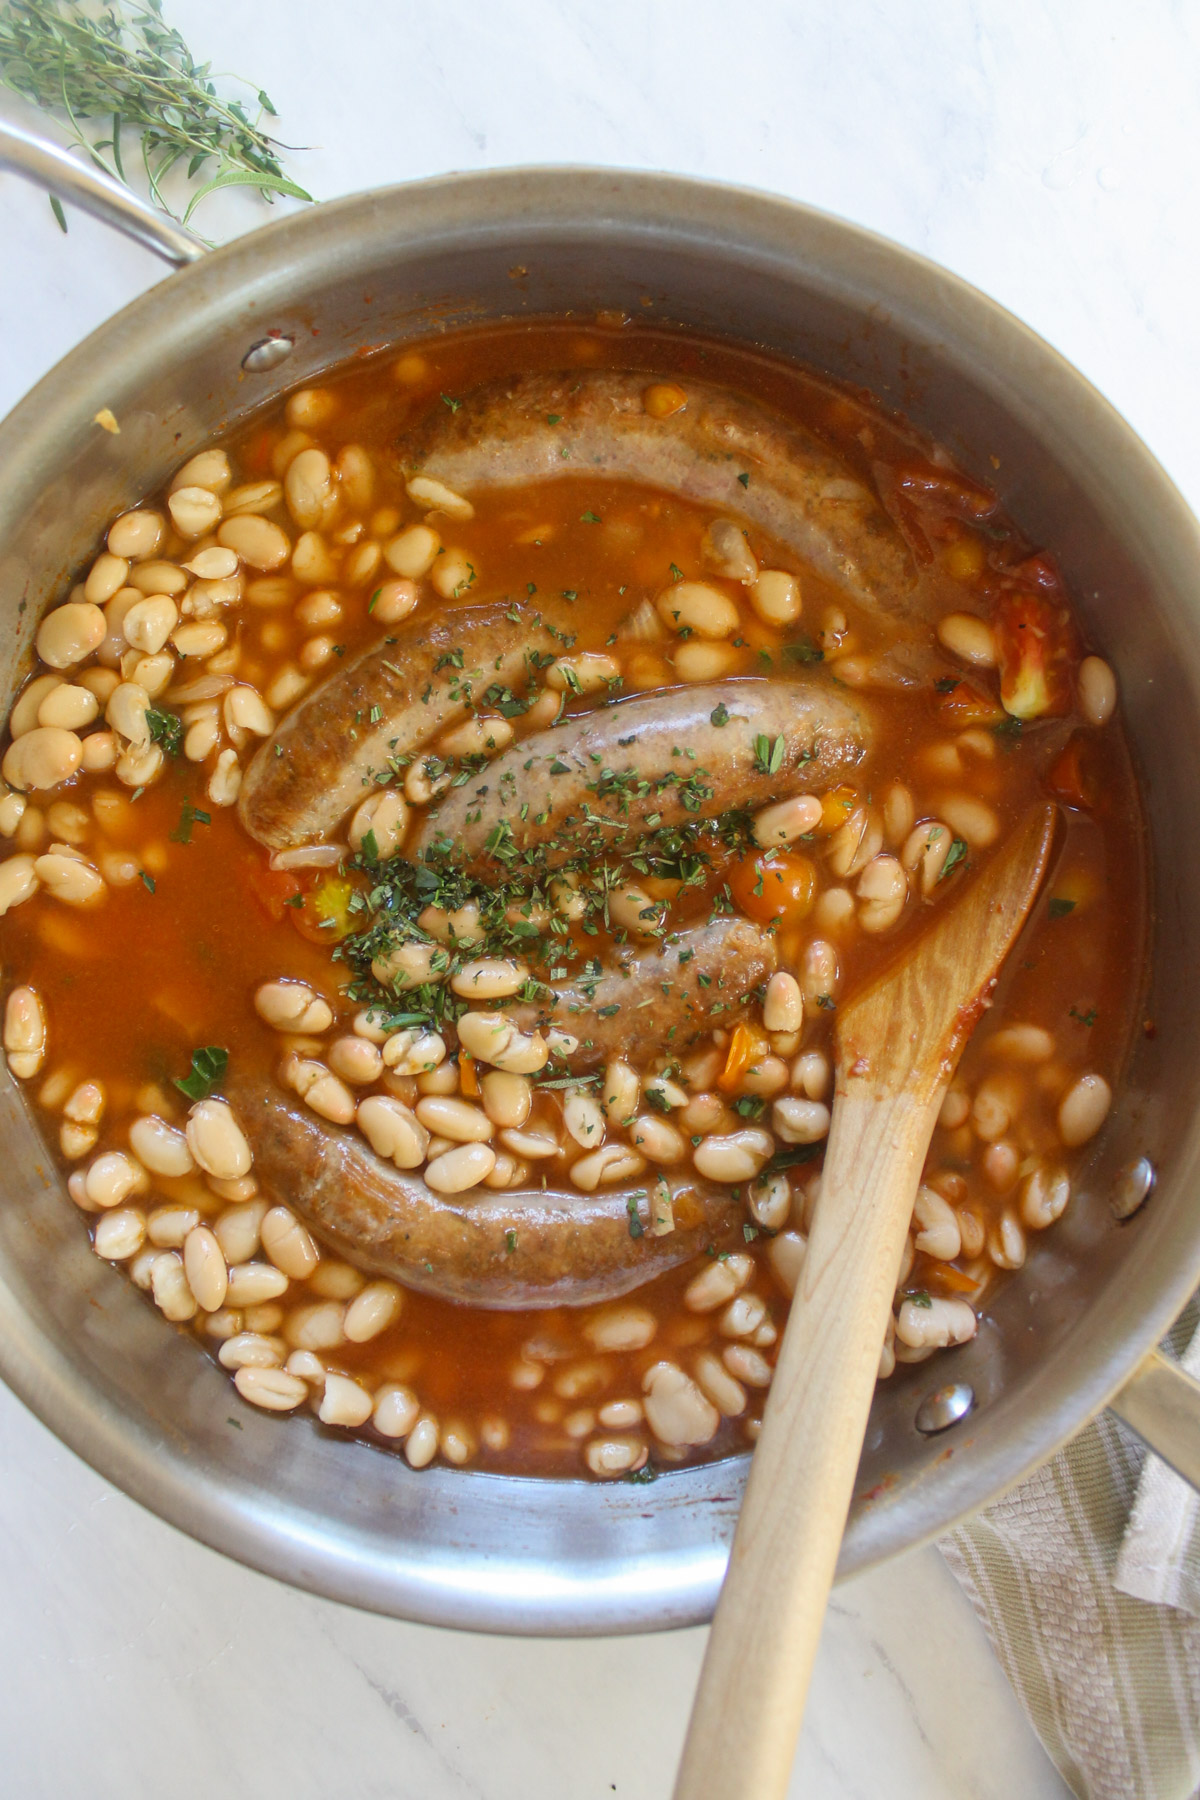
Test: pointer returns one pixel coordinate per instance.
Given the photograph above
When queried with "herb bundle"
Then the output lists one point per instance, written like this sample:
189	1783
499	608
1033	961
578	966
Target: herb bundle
123	66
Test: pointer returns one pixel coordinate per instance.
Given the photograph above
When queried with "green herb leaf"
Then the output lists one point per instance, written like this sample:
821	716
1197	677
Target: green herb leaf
189	816
744	478
451	403
676	572
589	518
208	1066
636	1228
57	209
803	651
510	1243
1060	908
719	715
955	855
148	880
768	755
1088	1018
946	684
166	728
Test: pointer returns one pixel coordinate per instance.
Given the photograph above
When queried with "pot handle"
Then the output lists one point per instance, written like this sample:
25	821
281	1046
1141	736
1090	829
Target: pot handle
1161	1402
54	168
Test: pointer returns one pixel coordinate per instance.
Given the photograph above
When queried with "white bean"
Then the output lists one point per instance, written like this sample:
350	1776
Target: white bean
293	1006
969	638
216	1140
397	1410
718	1283
933	1323
412	554
194	511
373	1311
344	1402
787	820
601	1168
461	1168
737	1156
455	1119
775	597
1097	687
437	497
676	1410
1083	1110
136	535
695	606
489	978
18	881
162	1149
204	1266
42	758
120	1234
288	1244
272	1389
385	815
69	633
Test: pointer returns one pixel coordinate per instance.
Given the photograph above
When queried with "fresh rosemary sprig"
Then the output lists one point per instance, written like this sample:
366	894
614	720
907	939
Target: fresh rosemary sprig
123	65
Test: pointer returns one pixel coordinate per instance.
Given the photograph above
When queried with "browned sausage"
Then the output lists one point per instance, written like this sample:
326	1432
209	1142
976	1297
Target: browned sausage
332	748
721	450
509	1249
592	786
659	997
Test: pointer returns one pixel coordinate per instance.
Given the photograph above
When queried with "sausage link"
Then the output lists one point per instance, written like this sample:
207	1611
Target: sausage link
593	785
507	1250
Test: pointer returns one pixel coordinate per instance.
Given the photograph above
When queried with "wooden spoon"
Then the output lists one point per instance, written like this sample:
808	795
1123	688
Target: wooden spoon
897	1045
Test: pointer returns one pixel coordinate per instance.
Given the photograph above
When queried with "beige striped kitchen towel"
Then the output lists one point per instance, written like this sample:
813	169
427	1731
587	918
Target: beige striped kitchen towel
1087	1581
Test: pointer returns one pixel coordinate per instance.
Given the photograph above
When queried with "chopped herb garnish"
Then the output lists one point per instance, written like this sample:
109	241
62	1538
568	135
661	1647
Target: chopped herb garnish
744	478
636	1228
919	1297
510	1242
946	684
1060	908
452	404
719	715
190	815
1008	730
1088	1018
768	756
294	900
148	879
803	651
954	856
589	518
676	572
554	418
208	1066
166	728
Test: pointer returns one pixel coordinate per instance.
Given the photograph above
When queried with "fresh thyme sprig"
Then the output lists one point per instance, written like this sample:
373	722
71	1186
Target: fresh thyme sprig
123	65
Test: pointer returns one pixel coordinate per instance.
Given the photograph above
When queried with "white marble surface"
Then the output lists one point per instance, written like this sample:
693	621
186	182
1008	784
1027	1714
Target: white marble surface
1045	153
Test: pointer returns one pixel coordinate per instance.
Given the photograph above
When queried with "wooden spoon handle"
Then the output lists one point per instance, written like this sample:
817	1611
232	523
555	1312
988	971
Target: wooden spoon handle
742	1738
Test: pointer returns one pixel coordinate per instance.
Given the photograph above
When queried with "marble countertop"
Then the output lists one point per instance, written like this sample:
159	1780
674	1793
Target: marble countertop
1046	154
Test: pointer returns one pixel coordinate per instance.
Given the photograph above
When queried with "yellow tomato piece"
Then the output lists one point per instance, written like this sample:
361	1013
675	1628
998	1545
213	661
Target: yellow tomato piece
747	1046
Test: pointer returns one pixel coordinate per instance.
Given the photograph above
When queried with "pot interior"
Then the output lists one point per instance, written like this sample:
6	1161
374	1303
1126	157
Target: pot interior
138	1400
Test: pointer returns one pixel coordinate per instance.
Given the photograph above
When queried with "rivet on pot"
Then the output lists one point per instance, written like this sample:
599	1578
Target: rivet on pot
1132	1187
268	353
944	1407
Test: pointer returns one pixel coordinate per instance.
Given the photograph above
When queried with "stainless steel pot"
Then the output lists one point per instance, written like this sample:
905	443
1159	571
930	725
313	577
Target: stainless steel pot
1076	1330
